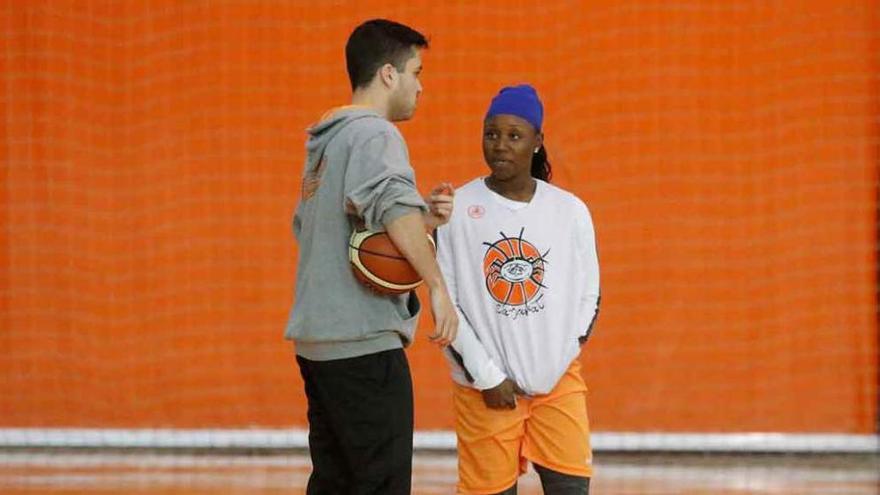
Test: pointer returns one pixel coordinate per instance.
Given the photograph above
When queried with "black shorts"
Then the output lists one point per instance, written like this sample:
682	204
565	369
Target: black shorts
360	424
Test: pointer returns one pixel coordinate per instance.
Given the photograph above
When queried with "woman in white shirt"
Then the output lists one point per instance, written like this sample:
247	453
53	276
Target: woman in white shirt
519	257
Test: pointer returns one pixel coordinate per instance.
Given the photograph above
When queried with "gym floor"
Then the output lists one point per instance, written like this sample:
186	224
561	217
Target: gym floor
154	473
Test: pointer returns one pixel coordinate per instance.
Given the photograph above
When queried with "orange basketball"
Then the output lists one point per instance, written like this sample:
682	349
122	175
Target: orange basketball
378	264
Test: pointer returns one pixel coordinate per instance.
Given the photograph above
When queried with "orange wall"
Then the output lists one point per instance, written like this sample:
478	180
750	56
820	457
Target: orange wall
728	151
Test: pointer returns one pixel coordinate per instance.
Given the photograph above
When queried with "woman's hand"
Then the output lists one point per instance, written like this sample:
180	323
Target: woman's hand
502	396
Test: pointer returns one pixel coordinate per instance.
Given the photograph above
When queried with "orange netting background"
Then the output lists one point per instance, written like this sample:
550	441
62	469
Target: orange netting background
151	153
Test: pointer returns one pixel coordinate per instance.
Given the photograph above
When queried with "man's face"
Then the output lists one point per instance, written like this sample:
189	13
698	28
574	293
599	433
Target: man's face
405	95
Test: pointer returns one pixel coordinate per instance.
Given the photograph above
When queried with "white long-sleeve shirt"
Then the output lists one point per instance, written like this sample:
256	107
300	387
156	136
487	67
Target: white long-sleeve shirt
525	280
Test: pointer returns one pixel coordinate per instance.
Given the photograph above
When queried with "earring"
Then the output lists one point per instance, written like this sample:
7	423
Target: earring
537	149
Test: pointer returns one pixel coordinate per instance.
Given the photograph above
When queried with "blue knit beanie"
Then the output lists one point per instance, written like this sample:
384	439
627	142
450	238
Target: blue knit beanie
522	101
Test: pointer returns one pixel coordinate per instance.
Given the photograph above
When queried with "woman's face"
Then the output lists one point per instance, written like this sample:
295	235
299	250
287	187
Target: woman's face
508	145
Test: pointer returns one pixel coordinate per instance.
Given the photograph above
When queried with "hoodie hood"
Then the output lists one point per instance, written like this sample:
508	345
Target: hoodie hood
329	126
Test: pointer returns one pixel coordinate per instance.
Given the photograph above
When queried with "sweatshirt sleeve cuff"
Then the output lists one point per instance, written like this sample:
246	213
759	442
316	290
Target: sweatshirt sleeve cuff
488	377
397	211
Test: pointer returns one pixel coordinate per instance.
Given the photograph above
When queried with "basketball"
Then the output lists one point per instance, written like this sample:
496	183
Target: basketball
377	263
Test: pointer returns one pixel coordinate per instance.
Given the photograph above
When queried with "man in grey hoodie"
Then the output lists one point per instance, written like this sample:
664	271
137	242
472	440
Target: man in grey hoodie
349	340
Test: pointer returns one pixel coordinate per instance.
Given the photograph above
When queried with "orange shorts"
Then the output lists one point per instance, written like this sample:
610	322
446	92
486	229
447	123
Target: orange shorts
494	445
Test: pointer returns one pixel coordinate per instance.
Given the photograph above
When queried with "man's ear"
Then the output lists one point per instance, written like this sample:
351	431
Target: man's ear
388	75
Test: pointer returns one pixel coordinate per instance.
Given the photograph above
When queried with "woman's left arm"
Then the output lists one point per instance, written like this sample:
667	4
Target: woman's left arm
585	239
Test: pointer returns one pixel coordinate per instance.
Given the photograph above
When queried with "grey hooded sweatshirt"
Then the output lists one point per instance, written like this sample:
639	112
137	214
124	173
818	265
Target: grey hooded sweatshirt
356	162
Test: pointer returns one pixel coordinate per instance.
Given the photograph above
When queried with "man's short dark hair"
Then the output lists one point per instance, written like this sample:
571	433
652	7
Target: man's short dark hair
378	42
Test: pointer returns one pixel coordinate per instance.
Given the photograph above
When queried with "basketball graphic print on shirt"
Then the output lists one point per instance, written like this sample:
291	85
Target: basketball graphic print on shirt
514	271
